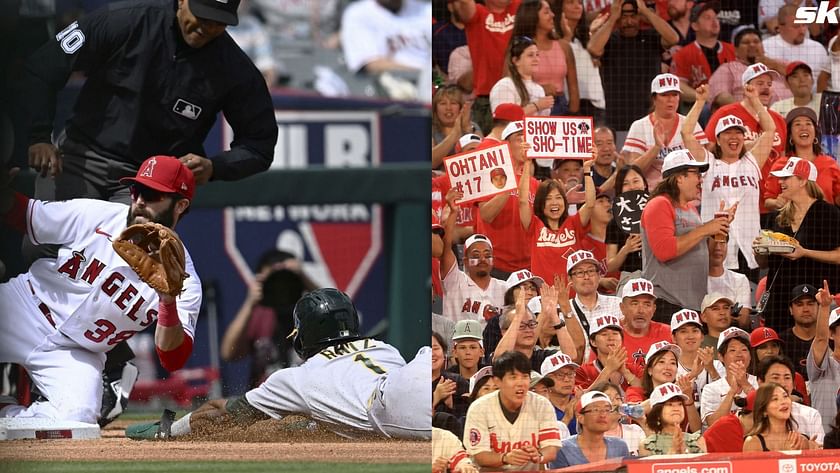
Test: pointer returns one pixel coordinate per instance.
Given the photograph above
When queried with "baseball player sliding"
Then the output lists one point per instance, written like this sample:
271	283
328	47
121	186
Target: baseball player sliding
108	283
349	383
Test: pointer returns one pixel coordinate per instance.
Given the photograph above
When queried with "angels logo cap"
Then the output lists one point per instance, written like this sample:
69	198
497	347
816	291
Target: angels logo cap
727	122
222	11
756	70
762	335
164	174
665	83
798	167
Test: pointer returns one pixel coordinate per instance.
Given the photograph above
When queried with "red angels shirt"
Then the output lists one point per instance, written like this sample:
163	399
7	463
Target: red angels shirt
637	347
828	178
437	215
690	63
751	123
511	248
488	35
549	248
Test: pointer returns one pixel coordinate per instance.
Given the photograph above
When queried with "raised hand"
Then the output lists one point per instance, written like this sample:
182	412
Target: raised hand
616	359
824	296
563	285
702	93
452	196
659	134
686	384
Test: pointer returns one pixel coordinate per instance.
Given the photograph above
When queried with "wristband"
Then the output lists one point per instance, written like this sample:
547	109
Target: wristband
168	315
535	105
560	325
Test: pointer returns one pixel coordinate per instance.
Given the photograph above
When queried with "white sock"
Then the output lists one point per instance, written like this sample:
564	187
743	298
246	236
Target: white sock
181	426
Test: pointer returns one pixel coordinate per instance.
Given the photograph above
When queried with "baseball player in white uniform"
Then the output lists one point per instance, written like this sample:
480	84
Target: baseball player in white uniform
59	319
350	384
512	428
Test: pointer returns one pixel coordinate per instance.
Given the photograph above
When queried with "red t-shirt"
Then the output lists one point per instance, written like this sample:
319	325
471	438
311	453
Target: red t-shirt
511	243
437	214
725	435
690	63
637	347
588	372
751	123
828	178
488	35
550	248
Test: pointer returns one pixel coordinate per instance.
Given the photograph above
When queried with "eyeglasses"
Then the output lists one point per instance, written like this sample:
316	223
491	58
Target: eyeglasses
149	195
589	273
600	410
525	325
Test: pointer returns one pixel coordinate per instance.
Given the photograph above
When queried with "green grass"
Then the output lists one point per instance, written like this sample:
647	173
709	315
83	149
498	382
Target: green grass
204	467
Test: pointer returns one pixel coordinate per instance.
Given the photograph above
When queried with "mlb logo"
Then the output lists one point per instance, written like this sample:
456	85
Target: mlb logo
187	109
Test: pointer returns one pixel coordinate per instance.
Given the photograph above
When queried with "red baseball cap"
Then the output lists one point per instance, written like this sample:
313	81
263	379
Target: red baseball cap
794	66
762	335
509	111
798	167
164	174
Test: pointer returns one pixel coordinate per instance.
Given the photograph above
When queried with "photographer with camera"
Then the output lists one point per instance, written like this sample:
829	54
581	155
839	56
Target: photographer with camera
260	326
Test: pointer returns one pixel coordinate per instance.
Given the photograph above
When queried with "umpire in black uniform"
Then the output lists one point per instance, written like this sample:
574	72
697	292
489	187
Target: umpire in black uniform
158	74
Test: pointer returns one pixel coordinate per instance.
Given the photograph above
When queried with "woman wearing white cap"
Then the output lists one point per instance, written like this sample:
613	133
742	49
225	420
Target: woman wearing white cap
815	225
734	175
668	405
655	135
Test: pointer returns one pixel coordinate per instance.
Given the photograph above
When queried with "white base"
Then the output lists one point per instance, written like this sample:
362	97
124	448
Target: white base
14	428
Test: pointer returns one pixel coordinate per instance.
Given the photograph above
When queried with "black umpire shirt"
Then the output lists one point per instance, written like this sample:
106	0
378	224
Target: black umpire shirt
147	92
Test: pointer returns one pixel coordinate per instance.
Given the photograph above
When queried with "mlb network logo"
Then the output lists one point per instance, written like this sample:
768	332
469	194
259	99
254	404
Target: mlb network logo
821	14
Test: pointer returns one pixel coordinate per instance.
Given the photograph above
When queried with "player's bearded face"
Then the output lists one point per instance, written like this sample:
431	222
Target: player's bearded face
142	213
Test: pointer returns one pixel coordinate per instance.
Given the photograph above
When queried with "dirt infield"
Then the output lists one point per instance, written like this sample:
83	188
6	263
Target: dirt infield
263	441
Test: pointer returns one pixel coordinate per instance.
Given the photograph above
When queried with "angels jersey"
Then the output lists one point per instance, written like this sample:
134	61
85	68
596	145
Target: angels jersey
93	296
346	385
731	183
640	139
487	429
446	444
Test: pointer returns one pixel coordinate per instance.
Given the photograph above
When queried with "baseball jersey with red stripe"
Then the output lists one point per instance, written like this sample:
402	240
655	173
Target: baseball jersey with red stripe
640	139
446	444
487	429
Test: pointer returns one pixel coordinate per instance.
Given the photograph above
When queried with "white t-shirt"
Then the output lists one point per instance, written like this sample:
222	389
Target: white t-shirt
504	91
736	285
810	52
632	434
488	430
833	68
823	382
809	421
590	86
701	380
94	297
369	31
463	299
605	305
714	393
640	139
731	183
786	105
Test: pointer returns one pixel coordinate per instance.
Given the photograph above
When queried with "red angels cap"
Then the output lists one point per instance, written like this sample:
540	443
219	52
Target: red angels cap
164	174
792	67
756	70
798	167
662	346
523	275
685	316
732	332
513	127
666	392
762	335
665	83
509	111
727	122
637	287
555	362
581	256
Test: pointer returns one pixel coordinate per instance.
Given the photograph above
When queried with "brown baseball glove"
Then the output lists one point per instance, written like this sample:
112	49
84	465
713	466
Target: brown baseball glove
156	254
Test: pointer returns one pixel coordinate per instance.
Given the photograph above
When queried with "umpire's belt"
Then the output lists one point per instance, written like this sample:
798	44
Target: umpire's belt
41	306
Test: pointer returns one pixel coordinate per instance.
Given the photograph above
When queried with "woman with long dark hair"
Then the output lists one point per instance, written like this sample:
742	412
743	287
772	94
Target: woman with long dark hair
624	250
518	86
556	68
773	426
804	140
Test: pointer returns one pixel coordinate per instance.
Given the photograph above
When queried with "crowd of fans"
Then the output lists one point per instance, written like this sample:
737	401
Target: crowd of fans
577	337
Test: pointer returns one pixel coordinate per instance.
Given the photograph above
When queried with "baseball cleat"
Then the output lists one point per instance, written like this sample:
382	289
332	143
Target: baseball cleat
160	430
117	386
